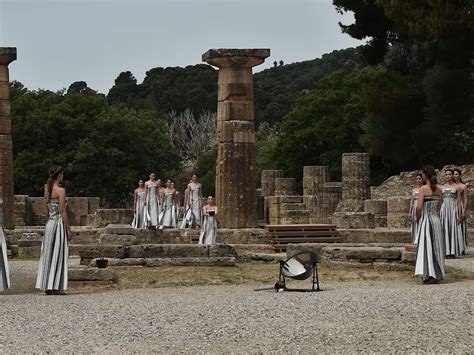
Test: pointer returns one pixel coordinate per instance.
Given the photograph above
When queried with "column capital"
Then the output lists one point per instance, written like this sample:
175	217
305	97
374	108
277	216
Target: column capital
7	55
234	57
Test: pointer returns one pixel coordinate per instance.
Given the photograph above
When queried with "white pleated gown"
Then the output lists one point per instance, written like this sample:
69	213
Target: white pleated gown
139	220
186	215
430	251
195	207
414	224
465	236
52	272
454	243
152	207
169	218
4	271
208	234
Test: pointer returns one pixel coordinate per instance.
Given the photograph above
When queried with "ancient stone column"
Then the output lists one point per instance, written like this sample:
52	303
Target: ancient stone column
7	55
332	192
355	176
235	172
355	181
314	178
268	190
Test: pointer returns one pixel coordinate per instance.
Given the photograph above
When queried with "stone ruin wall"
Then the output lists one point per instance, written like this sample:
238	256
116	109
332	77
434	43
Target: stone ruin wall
351	203
322	201
82	211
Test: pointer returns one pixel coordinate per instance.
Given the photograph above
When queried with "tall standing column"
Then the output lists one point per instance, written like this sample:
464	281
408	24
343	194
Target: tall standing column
235	172
7	55
355	181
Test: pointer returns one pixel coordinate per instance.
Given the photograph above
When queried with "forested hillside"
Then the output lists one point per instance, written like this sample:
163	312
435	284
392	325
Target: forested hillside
405	98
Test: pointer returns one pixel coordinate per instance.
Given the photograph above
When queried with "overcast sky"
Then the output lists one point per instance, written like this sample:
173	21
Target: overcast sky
62	41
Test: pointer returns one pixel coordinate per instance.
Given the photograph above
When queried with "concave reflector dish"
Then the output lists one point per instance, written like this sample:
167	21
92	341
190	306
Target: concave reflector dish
299	267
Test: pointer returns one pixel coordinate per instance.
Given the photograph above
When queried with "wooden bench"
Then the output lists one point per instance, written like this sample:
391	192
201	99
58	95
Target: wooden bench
282	235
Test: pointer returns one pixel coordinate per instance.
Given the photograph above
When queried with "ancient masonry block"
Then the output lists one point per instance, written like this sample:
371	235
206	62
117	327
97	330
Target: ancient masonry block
285	187
353	220
314	178
355	176
379	209
268	181
397	212
286	210
235	171
29	245
7	55
355	189
332	194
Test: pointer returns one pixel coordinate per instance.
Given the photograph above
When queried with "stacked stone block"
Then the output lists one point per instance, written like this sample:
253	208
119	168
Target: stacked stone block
314	178
379	209
285	186
287	209
31	211
268	188
268	181
332	195
235	171
397	212
7	55
355	189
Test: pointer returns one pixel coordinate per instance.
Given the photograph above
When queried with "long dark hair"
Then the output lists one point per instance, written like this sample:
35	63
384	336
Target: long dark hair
459	171
430	173
54	172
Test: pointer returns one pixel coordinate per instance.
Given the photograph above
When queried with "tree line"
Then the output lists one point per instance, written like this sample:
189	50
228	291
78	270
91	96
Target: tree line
404	97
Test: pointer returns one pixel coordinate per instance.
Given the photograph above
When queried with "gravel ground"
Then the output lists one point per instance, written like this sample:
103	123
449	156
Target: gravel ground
345	317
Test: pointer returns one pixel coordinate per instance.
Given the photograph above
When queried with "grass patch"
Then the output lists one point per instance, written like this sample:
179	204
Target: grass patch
245	273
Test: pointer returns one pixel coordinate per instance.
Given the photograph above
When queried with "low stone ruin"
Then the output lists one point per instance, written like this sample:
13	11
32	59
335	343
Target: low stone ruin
351	203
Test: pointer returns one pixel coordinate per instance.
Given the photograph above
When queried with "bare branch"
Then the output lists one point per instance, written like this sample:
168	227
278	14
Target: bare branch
190	136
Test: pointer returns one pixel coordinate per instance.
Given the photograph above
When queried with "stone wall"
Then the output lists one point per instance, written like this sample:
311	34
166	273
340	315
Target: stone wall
401	185
284	206
31	211
350	204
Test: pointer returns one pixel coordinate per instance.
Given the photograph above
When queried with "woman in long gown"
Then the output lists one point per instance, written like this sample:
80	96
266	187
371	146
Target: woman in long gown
186	207
430	251
53	268
4	271
464	206
412	212
451	217
170	207
139	210
152	202
194	213
208	234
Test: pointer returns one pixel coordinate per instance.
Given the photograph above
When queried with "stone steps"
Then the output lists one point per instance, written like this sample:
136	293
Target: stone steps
89	252
179	261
